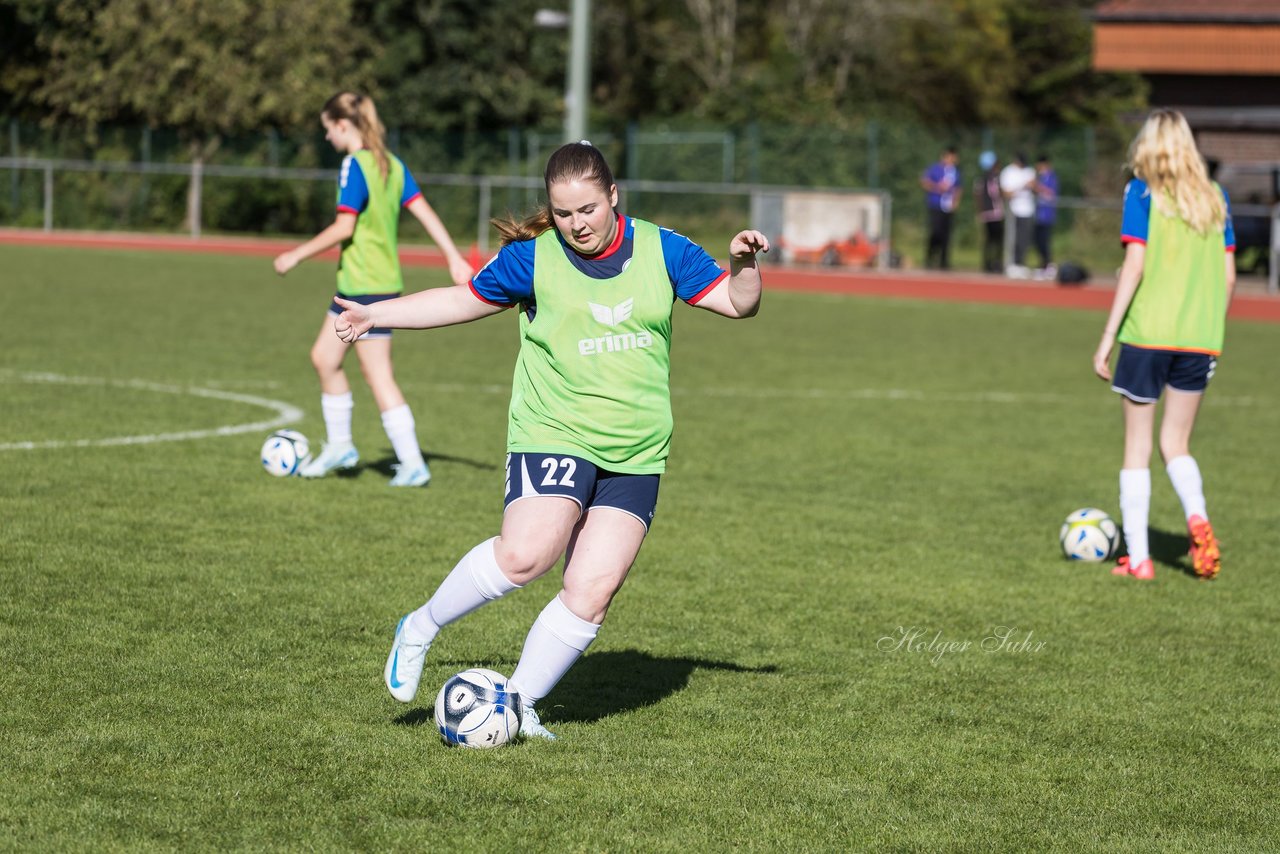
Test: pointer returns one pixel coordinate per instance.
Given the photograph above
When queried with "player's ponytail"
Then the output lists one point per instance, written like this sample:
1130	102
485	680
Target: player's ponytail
360	111
577	161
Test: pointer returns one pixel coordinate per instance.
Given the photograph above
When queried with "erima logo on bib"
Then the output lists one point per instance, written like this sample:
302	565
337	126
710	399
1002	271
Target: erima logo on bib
612	316
613	343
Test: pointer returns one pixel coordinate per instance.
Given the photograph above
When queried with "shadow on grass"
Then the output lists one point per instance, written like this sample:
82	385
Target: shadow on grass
1170	549
384	464
607	683
604	684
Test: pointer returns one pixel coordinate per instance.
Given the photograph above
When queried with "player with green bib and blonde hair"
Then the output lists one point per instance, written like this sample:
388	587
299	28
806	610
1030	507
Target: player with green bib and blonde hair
590	421
372	189
1169	316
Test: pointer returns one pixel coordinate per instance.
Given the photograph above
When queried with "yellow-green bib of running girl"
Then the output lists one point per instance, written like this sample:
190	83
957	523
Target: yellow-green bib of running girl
369	263
592	377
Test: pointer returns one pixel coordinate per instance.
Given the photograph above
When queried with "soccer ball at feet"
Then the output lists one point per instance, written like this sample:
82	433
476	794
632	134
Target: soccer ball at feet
284	452
1089	534
475	709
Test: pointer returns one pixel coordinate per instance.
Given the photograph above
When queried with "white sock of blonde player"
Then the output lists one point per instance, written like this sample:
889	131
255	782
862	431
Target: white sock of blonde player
1135	505
557	640
475	580
401	430
1185	475
336	409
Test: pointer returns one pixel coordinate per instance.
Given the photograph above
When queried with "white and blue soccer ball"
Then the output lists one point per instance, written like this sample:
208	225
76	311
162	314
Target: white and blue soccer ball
284	452
1089	534
475	708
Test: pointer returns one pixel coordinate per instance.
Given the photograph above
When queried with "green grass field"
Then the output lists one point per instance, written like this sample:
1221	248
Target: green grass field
193	650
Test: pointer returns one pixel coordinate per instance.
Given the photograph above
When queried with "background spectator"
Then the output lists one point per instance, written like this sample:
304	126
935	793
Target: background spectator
941	183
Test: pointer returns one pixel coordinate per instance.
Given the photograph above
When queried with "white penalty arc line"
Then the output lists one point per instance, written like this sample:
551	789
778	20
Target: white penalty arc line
285	413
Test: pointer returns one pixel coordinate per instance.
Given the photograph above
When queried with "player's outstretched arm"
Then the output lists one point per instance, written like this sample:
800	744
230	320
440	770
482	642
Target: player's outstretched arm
1126	287
343	226
422	310
738	296
459	270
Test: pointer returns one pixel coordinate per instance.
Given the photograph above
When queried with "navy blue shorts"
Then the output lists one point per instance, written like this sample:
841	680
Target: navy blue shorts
364	299
581	481
1142	372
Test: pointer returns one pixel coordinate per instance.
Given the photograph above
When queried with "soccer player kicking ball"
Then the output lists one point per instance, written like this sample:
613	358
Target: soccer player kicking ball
373	187
590	419
1169	315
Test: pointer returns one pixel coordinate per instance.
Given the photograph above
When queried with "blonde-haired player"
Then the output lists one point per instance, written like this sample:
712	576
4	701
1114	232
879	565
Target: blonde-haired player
1169	317
372	188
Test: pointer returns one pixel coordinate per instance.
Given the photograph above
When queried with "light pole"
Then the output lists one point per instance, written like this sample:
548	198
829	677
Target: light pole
578	76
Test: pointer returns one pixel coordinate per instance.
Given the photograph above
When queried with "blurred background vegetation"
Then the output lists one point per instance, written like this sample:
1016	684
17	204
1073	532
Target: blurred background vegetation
860	94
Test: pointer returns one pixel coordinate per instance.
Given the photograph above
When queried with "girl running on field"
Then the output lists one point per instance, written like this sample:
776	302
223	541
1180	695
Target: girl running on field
1169	315
372	188
590	417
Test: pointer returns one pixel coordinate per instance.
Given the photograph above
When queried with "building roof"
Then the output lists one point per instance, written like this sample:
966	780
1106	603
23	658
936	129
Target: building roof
1224	37
1189	11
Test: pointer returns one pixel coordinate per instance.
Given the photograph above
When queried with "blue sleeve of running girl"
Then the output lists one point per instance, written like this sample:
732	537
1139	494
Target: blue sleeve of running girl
411	190
353	192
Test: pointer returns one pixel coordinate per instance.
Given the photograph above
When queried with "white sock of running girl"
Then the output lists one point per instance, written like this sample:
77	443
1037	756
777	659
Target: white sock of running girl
1185	475
1135	506
336	409
476	579
401	430
557	640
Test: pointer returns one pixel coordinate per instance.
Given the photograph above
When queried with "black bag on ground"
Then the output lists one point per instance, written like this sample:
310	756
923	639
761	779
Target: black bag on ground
1072	274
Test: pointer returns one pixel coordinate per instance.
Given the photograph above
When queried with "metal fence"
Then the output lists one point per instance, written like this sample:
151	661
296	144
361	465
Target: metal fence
745	199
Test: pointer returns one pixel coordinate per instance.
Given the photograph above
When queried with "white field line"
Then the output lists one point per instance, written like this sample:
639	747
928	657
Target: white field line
285	413
288	414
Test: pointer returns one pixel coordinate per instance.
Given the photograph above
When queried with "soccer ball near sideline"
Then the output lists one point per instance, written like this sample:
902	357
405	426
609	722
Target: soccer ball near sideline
1090	535
475	709
284	452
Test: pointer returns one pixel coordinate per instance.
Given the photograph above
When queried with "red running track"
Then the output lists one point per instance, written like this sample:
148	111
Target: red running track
953	287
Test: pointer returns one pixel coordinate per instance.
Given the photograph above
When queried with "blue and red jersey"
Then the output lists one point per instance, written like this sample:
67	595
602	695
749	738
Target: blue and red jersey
353	189
1136	219
507	279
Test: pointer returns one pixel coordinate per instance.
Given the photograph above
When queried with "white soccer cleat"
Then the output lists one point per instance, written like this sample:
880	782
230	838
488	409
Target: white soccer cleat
411	476
338	456
404	665
531	727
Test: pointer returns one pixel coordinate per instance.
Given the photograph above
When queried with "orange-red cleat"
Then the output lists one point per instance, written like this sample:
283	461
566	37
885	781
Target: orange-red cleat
1206	558
1144	571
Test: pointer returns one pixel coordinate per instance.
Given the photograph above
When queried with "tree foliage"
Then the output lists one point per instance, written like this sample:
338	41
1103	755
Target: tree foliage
206	69
212	68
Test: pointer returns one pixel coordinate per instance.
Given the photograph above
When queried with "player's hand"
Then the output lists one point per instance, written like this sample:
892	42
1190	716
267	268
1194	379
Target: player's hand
1102	356
460	271
355	320
747	243
285	262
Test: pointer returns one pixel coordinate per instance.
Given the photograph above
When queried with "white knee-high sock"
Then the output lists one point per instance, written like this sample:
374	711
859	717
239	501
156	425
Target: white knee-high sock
558	638
475	580
1185	475
1135	506
336	409
400	427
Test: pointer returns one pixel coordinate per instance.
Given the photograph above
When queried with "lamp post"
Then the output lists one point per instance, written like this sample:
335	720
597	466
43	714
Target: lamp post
578	75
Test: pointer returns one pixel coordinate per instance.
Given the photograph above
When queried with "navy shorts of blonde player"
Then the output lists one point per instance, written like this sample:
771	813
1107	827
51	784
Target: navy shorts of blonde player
364	299
1143	372
579	480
